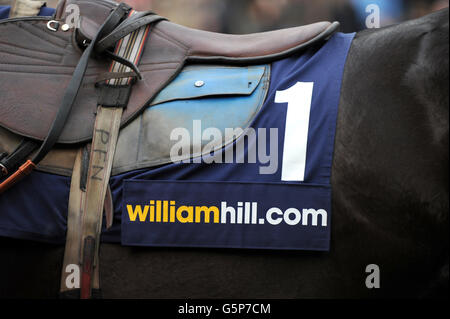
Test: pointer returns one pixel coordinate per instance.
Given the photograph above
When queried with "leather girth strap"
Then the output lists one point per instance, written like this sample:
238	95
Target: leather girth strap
86	205
70	283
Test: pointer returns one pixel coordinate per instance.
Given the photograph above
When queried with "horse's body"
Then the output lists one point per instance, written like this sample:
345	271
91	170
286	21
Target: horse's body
390	198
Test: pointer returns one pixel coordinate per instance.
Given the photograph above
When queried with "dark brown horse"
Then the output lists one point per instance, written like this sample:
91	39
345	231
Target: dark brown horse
390	198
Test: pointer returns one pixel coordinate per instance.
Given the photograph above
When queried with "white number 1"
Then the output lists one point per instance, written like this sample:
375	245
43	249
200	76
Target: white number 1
298	98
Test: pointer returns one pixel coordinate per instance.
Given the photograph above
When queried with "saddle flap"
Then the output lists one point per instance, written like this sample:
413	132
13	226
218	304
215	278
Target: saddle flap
171	125
178	105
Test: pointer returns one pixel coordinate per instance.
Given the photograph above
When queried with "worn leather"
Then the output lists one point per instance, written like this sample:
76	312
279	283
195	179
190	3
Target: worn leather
42	61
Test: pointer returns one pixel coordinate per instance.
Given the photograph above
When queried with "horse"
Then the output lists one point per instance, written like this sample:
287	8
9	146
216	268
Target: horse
390	198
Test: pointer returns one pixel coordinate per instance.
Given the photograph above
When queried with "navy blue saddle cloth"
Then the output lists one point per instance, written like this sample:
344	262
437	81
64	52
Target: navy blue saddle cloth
277	121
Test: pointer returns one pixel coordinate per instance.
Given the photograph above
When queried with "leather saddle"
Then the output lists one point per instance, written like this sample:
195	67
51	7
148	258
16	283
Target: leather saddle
42	61
52	84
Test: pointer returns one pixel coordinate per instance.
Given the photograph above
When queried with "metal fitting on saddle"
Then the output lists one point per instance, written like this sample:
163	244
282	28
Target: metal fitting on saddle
53	25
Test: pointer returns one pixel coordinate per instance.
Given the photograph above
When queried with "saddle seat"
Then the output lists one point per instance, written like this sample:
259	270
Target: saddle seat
206	44
37	65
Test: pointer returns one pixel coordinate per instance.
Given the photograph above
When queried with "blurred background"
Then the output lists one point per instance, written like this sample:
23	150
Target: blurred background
246	16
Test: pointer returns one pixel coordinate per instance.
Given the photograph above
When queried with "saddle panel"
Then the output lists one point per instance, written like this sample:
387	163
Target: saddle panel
36	66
